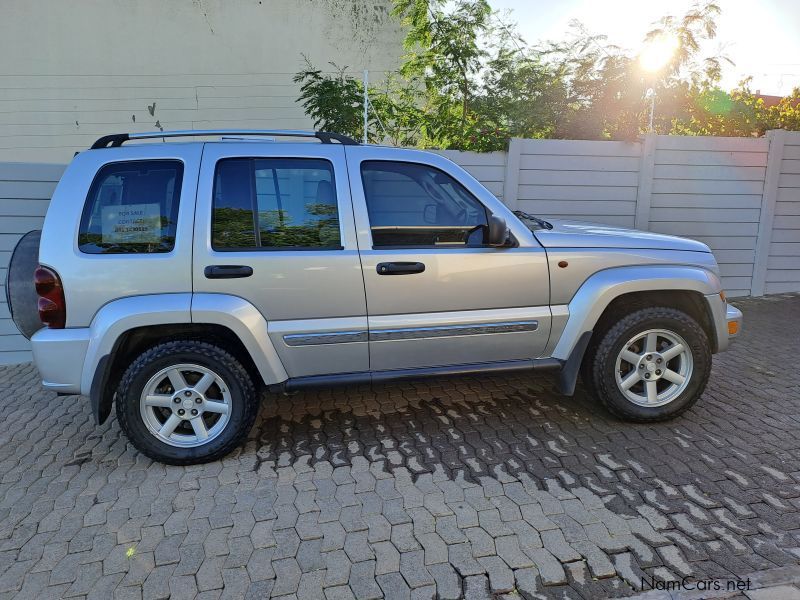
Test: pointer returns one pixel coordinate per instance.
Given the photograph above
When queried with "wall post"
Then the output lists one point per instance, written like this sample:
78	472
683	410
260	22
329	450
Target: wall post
776	139
645	192
511	179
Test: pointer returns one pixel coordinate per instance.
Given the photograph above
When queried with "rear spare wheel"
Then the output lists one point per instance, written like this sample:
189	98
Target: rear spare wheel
20	289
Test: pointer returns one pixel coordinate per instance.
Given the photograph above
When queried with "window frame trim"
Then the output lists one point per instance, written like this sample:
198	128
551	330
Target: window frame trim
417	247
178	188
254	201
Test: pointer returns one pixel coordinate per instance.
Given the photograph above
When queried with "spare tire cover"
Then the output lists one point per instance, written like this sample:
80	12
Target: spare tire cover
20	290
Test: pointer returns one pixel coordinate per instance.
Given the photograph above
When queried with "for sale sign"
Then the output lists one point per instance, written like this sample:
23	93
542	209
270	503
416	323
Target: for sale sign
132	224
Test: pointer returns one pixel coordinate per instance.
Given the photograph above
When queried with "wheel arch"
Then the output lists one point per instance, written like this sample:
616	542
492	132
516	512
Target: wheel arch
125	328
607	293
604	287
691	302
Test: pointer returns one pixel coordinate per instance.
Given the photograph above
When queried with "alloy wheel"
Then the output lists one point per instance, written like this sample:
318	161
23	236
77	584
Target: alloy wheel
185	405
654	367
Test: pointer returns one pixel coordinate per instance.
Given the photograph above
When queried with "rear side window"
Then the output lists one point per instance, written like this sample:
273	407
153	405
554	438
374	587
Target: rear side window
132	207
274	204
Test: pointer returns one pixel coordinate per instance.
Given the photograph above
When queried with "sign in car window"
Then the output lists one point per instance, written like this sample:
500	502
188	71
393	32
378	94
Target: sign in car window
131	224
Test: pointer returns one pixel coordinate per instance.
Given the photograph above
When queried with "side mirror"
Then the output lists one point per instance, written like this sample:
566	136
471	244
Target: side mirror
430	214
498	233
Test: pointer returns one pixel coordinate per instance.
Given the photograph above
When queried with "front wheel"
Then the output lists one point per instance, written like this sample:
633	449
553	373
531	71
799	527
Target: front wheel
651	365
186	402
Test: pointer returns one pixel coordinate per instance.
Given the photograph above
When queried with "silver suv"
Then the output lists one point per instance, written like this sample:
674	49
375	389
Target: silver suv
179	281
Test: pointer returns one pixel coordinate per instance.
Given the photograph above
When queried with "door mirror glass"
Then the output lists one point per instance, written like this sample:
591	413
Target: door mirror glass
430	214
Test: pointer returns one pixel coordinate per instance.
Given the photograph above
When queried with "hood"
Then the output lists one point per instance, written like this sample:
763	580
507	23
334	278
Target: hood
579	234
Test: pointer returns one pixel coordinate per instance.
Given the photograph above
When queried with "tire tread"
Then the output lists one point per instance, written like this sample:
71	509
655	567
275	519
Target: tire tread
600	383
212	353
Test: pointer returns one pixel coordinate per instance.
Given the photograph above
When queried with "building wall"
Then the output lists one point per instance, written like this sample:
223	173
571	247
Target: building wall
73	71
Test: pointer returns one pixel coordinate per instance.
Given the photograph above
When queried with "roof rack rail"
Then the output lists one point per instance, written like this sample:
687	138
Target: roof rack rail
117	139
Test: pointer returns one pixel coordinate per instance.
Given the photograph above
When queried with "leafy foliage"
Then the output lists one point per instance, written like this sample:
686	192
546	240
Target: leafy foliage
470	82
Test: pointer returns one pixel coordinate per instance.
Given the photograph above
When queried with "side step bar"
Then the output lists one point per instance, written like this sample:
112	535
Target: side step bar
312	381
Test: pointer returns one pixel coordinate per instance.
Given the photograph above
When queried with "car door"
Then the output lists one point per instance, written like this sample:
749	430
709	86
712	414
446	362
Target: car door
436	295
284	211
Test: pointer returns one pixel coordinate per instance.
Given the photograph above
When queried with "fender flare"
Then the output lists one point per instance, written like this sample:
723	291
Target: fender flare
248	324
599	290
114	319
119	316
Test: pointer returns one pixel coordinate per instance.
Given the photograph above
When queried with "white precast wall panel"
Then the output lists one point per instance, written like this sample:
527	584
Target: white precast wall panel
783	264
584	180
710	189
716	190
486	167
705	188
25	191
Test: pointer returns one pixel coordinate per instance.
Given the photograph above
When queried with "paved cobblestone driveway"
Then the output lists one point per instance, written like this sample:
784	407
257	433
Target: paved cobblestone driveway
449	487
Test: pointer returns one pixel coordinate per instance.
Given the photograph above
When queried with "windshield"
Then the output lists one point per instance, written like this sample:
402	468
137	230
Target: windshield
531	222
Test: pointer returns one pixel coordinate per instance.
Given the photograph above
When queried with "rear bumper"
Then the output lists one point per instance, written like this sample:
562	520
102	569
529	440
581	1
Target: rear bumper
59	355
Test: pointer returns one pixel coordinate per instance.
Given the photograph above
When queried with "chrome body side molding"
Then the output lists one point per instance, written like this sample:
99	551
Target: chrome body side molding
407	333
333	337
413	333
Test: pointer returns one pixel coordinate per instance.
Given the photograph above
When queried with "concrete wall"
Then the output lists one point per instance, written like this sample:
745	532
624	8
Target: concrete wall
783	262
25	191
582	180
740	196
711	189
73	71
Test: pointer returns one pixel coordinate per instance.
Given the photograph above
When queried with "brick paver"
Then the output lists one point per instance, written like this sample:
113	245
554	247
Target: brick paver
455	487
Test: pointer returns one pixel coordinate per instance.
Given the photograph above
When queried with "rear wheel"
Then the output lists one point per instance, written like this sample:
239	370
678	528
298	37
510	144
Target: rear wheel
186	402
651	365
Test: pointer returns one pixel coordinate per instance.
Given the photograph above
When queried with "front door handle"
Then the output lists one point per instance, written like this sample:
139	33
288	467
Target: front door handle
400	268
227	271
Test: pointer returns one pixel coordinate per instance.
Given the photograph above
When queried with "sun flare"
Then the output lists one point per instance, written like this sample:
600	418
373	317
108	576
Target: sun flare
658	52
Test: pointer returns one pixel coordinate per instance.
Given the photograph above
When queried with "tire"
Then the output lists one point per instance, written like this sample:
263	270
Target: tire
21	293
226	408
661	383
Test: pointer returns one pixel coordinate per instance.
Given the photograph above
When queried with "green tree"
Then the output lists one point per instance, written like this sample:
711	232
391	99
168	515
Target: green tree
469	81
334	100
608	89
445	55
437	98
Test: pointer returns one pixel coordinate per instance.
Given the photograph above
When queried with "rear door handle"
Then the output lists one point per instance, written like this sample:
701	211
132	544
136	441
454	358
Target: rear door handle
227	271
400	268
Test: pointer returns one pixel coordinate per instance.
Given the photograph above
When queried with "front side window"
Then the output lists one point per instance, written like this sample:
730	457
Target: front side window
132	207
274	203
414	205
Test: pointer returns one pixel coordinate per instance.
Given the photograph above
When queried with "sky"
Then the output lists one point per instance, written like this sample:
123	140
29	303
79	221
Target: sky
762	37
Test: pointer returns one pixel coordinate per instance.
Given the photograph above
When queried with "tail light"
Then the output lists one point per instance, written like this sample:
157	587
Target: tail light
52	307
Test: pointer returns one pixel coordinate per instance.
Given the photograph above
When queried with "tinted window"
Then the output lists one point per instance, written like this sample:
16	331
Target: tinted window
415	205
132	207
274	203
